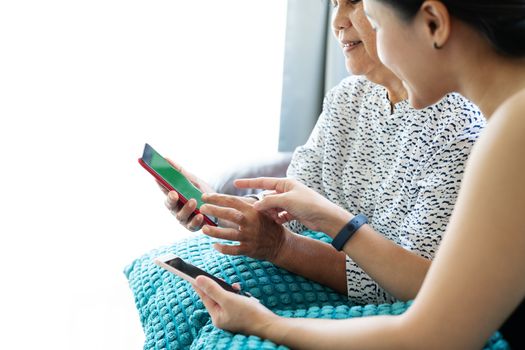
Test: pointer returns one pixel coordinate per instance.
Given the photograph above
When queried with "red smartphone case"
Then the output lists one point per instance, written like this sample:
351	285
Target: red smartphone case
167	186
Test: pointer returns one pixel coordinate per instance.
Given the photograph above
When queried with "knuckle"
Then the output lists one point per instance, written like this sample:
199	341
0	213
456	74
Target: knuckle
231	200
211	197
234	251
237	236
208	209
211	231
238	216
242	250
196	222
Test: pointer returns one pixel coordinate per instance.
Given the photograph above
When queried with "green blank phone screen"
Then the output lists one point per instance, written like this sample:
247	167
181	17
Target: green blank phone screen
173	177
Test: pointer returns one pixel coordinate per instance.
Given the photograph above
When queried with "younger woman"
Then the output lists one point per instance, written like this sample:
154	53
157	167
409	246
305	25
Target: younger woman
476	283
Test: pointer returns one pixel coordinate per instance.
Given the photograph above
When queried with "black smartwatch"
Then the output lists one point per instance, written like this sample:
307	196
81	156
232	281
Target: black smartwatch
348	231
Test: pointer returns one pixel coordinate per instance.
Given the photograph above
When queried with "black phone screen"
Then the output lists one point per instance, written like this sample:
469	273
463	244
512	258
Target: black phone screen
194	271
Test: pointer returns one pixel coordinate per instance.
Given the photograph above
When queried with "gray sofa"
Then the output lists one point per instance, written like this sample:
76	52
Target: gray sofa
268	166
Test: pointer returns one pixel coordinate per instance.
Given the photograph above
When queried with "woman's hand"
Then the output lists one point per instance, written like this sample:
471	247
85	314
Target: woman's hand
259	236
295	201
233	312
184	212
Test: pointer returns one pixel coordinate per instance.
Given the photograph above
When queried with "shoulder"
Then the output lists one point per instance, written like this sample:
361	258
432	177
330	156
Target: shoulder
496	167
455	102
456	107
457	117
354	82
351	88
507	124
499	152
513	109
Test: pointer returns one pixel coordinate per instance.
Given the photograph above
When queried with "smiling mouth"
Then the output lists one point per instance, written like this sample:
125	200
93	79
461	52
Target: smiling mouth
351	44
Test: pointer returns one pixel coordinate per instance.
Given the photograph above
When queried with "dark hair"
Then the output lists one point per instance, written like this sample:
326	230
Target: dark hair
502	22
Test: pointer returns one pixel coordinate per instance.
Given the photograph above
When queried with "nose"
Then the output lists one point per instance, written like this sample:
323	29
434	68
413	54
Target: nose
340	19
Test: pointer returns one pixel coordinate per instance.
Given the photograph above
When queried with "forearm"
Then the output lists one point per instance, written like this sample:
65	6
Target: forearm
399	271
314	260
379	332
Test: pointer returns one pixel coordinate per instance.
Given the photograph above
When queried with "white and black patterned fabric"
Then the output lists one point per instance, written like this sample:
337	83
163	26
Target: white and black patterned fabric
402	168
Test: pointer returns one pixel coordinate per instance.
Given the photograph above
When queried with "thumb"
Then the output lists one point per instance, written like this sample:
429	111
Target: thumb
211	288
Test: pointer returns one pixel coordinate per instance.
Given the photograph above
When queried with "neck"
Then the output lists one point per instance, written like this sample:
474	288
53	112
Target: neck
393	85
501	78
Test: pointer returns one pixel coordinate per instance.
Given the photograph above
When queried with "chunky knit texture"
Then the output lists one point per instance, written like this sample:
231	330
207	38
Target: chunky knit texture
212	338
173	317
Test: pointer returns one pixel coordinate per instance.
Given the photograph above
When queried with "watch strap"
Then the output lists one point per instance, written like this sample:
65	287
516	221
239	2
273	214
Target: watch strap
348	231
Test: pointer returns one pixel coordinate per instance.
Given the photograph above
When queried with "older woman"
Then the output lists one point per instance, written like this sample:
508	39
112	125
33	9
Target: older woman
478	49
370	153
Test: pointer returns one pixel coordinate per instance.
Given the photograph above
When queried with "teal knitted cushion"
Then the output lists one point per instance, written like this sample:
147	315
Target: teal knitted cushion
173	317
172	314
212	338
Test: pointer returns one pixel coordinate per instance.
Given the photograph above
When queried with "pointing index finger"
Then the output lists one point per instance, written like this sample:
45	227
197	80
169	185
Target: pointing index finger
225	200
265	183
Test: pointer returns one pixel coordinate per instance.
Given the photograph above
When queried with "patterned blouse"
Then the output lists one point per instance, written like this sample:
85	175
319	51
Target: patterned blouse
402	168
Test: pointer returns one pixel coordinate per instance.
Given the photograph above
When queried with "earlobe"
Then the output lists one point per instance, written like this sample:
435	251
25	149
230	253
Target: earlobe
437	19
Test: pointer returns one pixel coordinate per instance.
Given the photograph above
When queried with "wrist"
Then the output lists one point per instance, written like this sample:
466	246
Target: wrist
273	328
338	218
348	231
281	253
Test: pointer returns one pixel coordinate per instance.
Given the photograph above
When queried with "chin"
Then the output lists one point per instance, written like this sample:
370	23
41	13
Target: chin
357	68
352	70
420	102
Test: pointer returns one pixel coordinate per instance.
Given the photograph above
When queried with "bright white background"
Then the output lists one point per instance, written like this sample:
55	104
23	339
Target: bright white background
83	84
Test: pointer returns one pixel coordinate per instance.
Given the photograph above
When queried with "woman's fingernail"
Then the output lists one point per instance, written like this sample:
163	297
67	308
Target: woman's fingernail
201	282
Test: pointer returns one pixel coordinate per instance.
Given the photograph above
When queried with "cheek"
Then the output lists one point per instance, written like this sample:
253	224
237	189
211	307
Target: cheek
386	51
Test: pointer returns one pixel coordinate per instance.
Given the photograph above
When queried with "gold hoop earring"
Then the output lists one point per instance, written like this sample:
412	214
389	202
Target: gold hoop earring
437	47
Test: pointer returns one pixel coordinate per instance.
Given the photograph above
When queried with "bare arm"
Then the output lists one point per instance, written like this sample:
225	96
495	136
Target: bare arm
397	270
231	311
313	259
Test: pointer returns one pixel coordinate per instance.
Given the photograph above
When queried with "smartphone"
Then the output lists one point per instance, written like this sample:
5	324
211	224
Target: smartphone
172	179
189	272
